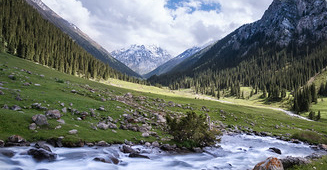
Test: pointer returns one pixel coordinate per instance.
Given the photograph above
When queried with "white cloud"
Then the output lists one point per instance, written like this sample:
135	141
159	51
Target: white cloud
119	23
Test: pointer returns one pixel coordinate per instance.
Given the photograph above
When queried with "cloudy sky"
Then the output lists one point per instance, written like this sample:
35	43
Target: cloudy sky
174	25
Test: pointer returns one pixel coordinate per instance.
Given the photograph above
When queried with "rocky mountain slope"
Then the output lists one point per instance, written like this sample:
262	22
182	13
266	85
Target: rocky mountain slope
142	59
295	26
80	37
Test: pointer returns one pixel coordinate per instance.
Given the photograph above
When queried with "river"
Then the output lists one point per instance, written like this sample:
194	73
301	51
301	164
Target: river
235	152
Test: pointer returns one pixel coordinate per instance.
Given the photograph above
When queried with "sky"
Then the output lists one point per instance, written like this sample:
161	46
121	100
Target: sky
174	25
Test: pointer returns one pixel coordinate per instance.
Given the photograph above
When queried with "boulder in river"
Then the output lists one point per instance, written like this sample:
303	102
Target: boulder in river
40	120
2	143
270	163
126	149
41	144
42	154
275	150
137	155
290	161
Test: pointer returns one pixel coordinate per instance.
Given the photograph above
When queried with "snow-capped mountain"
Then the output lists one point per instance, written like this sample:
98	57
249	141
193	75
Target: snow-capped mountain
142	59
164	68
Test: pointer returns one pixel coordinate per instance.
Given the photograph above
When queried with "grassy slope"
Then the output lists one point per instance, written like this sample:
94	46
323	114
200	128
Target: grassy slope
51	92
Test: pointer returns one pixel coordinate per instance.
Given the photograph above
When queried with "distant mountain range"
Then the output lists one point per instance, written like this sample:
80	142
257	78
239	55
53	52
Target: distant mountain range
81	38
169	65
142	59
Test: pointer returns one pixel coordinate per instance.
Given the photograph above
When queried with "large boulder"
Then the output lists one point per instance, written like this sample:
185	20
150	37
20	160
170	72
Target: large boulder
42	154
290	161
270	163
40	120
16	140
42	145
53	114
127	149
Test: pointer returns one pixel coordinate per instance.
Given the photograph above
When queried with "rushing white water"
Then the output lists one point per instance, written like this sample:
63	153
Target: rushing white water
236	152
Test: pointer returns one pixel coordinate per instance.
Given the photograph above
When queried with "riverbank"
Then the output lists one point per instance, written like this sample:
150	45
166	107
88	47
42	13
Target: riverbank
232	149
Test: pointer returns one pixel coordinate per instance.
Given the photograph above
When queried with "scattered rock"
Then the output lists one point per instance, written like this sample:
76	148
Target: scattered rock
103	126
58	127
1	92
137	155
145	134
41	144
128	96
101	108
15	108
16	140
56	142
167	147
53	114
155	144
147	144
37	85
270	163
275	150
12	77
5	106
61	121
97	159
40	120
38	106
26	84
102	143
32	126
2	143
323	147
197	150
114	160
73	91
127	149
290	161
41	154
73	132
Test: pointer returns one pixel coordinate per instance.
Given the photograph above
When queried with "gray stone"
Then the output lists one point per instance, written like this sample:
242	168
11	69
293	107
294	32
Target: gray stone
103	126
61	121
145	134
41	154
275	150
53	114
290	161
73	132
1	92
137	155
126	149
16	139
32	126
40	120
5	106
2	143
101	108
102	143
15	108
155	144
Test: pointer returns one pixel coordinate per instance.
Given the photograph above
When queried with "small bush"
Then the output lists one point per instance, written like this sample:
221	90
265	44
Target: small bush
191	131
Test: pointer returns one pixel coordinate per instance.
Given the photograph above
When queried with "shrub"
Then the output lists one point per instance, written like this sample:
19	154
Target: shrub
191	131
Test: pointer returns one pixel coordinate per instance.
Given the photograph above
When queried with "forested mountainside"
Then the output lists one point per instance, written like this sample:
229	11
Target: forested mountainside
26	34
81	38
280	51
